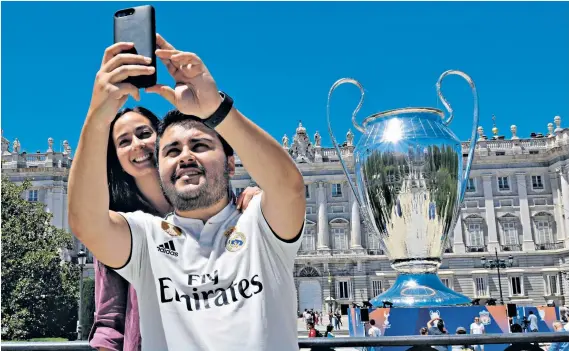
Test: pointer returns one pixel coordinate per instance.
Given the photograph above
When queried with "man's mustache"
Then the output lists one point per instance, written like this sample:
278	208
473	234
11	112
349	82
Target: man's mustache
195	166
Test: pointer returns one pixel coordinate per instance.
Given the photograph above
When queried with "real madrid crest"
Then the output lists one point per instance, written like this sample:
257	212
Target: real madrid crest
235	241
171	229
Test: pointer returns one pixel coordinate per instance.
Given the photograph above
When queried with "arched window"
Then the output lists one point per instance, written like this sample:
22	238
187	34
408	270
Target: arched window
308	271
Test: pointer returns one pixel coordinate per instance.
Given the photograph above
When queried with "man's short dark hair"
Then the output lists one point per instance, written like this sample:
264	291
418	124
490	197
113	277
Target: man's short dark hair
372	321
175	117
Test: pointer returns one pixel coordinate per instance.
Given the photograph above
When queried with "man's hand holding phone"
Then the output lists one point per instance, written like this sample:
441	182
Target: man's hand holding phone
195	92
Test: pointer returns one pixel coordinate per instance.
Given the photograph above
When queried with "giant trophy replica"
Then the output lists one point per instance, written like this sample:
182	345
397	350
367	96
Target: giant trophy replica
410	183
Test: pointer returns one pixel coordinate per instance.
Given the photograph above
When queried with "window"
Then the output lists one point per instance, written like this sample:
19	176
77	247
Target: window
537	182
471	185
340	239
480	286
446	282
308	242
336	190
238	191
516	286
343	289
506	203
32	195
308	210
376	287
503	184
510	233
372	242
544	234
475	234
307	191
337	209
551	284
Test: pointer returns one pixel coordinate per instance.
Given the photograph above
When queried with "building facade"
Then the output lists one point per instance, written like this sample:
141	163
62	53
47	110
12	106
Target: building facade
516	204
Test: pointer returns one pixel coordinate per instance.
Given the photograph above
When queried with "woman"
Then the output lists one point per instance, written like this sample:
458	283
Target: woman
134	185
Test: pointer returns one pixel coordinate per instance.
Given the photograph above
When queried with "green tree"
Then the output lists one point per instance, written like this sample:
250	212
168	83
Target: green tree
88	306
39	289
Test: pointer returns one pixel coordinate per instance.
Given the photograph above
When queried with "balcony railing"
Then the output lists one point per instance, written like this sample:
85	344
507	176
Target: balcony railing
549	246
511	247
424	342
335	252
476	248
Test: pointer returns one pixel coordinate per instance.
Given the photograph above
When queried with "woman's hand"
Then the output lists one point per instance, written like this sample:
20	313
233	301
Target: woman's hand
110	92
245	197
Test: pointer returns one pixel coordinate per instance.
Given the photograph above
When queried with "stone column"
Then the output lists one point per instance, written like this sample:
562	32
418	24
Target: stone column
323	231
458	242
564	176
528	244
558	206
58	204
356	222
490	213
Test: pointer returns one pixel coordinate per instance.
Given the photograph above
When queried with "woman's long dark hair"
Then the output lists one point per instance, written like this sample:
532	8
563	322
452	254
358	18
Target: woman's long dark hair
124	195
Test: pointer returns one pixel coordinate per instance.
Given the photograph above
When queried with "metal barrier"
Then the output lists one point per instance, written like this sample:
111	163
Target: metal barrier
415	340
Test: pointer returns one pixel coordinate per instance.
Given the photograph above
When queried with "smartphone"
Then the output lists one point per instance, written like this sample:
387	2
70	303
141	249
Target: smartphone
138	25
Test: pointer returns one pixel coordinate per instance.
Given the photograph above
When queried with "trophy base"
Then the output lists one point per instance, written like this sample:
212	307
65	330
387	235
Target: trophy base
419	290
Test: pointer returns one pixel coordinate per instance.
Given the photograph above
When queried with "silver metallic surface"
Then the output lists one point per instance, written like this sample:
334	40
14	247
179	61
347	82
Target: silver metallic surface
409	178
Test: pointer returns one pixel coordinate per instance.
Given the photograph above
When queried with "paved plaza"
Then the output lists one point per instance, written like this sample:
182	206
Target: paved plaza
342	333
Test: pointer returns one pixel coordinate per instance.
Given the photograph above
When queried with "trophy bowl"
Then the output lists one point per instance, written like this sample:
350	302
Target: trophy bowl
409	183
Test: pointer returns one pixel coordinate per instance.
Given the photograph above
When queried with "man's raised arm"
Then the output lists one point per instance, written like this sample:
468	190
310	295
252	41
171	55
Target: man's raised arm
106	234
283	202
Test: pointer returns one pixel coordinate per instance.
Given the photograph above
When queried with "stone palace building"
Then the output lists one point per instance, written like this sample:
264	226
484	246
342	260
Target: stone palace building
516	204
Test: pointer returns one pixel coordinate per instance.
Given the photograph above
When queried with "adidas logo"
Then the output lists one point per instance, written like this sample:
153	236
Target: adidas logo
168	248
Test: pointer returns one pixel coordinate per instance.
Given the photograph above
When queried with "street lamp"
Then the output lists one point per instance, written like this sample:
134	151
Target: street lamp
81	259
330	291
498	263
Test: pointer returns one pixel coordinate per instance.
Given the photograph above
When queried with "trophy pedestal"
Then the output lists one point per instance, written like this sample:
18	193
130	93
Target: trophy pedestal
420	290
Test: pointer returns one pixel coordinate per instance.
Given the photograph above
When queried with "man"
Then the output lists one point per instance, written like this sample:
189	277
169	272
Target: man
461	331
532	319
373	332
559	346
436	326
477	328
206	264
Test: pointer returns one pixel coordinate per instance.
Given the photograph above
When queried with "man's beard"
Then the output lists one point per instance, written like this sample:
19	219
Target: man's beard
213	191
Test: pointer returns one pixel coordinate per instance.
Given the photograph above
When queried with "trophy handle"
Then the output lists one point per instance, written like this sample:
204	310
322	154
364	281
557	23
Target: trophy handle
356	125
449	119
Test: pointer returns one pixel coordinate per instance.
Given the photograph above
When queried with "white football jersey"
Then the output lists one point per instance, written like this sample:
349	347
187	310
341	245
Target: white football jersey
223	285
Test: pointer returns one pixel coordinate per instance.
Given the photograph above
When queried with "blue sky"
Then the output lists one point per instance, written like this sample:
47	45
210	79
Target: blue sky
278	61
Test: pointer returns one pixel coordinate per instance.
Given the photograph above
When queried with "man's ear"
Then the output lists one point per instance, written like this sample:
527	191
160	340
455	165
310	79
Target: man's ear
231	165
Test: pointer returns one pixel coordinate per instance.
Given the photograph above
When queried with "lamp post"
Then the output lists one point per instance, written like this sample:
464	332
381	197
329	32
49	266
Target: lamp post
330	291
81	259
498	263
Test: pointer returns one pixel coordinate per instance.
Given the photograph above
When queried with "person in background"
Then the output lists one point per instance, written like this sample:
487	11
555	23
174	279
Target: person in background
461	331
521	346
559	346
373	332
532	318
477	328
329	330
423	331
438	329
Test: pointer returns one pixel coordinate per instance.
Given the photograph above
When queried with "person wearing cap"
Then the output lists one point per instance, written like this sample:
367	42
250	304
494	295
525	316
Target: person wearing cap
461	330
